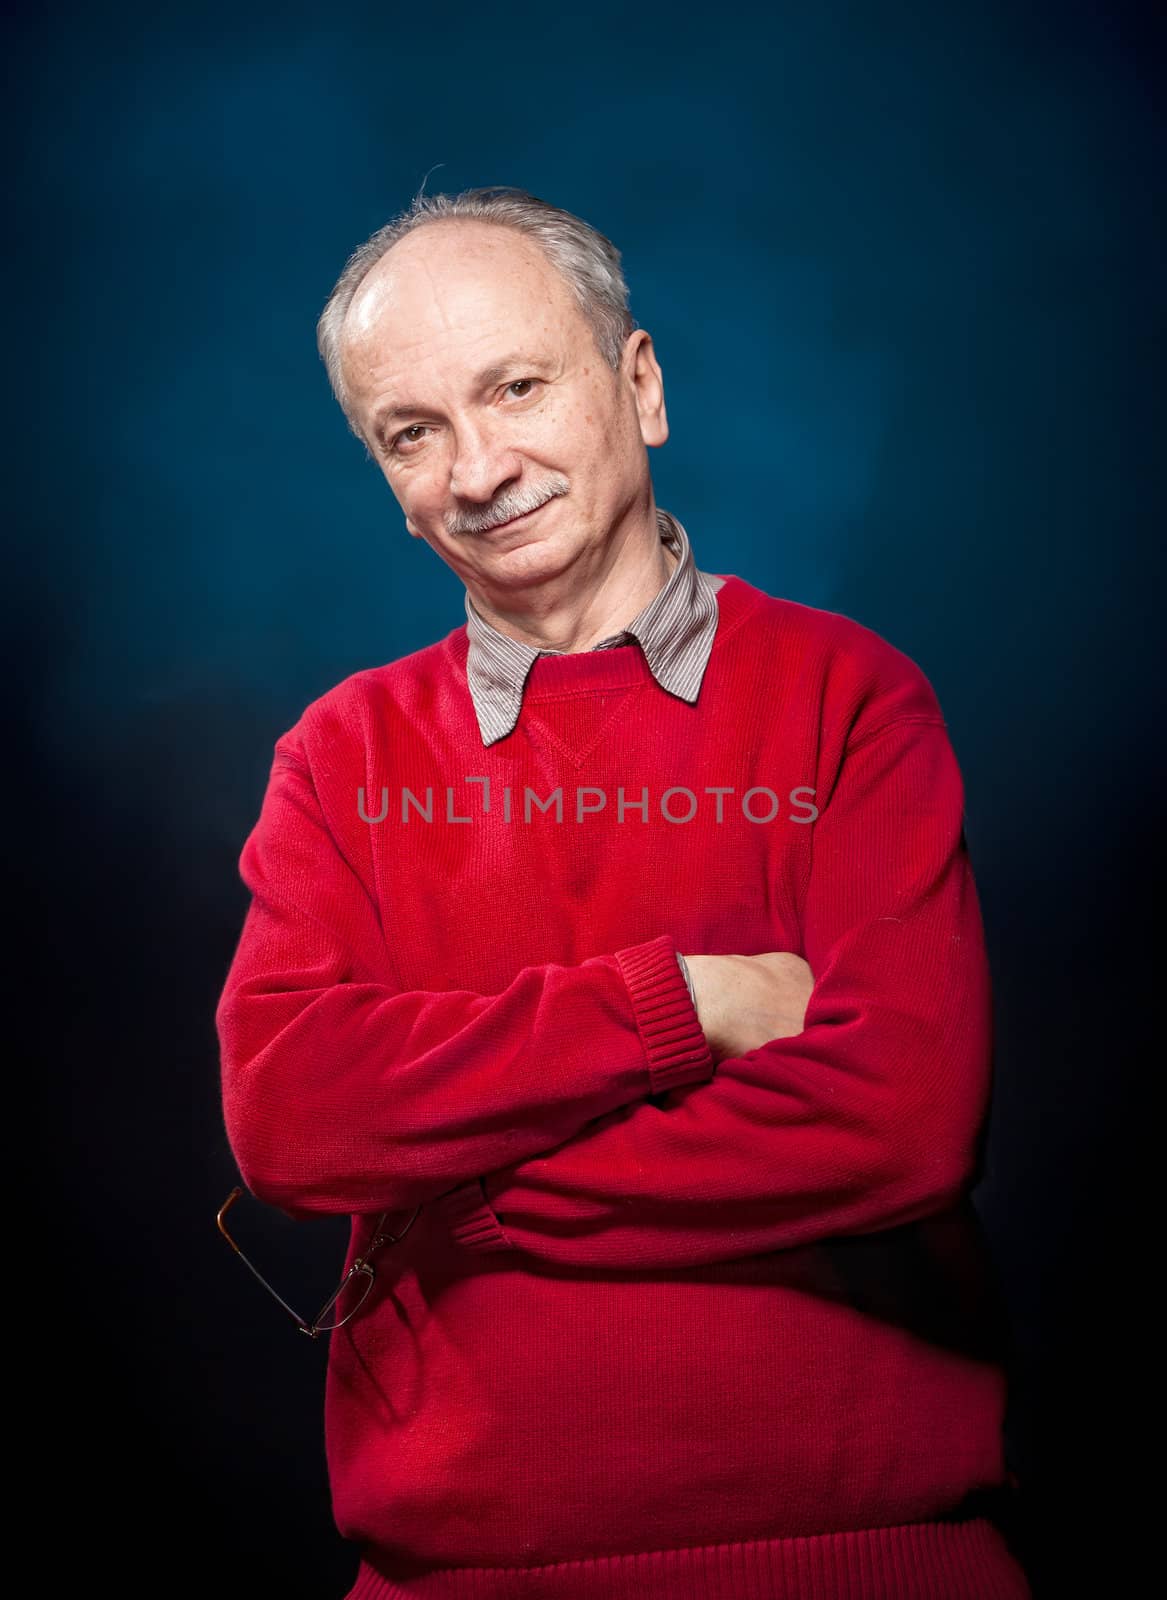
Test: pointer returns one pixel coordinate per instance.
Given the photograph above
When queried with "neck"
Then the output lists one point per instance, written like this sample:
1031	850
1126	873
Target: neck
578	610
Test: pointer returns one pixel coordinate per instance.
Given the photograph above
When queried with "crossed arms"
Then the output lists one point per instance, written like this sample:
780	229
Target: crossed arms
343	1094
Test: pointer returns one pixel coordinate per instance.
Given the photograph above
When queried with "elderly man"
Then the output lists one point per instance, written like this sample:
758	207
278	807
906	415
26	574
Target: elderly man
615	963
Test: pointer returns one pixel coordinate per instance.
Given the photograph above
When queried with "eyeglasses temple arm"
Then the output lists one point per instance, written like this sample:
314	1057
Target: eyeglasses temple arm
223	1210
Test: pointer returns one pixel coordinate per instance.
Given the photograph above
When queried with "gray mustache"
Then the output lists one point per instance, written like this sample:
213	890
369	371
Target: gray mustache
505	509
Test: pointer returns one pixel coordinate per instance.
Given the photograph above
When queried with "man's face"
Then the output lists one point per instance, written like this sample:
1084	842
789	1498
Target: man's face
510	444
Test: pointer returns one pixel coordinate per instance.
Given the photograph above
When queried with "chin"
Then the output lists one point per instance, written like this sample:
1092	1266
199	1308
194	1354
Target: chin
532	561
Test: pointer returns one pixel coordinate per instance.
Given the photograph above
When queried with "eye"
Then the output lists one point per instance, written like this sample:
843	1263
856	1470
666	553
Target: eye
410	435
526	384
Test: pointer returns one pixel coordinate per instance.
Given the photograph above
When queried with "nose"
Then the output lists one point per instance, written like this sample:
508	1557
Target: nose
483	462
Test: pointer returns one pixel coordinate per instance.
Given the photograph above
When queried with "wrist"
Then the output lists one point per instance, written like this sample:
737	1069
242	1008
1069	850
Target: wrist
695	969
688	977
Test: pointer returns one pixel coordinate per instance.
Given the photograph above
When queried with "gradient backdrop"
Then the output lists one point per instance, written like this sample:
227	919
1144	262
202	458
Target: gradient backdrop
904	271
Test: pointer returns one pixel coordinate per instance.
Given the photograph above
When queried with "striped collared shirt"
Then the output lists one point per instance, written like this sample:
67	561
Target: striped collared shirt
675	630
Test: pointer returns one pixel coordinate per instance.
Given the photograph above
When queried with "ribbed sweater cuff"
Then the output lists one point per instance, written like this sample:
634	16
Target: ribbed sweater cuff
678	1052
470	1218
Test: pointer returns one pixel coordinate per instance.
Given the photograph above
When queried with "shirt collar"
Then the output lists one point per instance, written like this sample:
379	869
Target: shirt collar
675	630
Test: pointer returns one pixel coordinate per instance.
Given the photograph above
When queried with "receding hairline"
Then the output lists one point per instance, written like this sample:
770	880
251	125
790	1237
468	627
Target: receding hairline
530	244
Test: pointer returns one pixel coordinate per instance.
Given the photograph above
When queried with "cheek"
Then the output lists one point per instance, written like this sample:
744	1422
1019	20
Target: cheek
417	492
573	431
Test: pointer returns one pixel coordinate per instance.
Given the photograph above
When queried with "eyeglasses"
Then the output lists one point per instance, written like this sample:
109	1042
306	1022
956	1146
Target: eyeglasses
352	1290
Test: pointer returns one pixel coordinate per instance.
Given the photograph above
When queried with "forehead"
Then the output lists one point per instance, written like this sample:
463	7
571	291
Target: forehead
455	287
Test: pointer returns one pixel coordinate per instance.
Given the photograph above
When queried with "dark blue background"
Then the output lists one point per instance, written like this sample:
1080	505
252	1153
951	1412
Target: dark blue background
903	267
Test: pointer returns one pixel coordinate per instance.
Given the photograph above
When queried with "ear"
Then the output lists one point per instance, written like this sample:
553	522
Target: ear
648	386
410	529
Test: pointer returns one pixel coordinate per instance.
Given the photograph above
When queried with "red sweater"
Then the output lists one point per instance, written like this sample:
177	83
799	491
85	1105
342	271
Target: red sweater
661	1330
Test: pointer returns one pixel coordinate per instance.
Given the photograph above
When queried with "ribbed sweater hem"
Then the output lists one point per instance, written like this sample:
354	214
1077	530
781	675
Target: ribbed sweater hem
918	1561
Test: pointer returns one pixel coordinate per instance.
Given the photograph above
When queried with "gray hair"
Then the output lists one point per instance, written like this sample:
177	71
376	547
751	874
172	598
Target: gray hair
588	261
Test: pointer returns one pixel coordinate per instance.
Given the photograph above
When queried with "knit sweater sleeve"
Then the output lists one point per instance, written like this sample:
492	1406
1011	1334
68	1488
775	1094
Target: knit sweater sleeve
867	1119
343	1094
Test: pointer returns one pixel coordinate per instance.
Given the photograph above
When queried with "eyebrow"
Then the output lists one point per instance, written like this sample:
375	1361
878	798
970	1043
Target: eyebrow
486	379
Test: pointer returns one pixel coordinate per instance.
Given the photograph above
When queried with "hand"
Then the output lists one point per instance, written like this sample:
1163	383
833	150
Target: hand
745	1001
